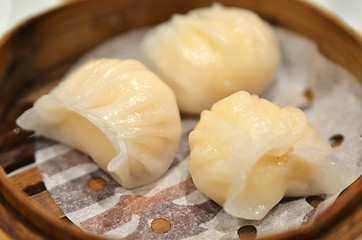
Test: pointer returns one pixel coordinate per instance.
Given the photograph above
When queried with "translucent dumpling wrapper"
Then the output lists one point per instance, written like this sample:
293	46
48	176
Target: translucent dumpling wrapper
210	53
248	153
119	113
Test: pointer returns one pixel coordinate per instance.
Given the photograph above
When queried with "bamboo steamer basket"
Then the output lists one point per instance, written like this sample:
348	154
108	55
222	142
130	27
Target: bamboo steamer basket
37	53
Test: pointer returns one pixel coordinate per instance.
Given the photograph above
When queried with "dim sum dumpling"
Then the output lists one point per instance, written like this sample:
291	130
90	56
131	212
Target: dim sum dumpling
211	53
119	113
247	153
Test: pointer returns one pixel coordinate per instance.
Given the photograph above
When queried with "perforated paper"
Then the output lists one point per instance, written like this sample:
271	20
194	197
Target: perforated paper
329	95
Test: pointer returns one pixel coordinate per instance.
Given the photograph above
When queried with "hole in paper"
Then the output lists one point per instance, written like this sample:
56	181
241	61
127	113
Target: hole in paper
336	140
247	232
97	183
160	226
308	94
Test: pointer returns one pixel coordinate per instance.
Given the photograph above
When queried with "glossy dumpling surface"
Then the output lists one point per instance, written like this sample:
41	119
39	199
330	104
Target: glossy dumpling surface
119	113
210	53
247	153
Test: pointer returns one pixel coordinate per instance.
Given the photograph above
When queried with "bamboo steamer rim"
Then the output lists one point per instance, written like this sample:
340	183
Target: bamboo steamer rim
345	48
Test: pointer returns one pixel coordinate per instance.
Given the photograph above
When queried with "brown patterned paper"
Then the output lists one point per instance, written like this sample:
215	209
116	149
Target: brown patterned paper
120	213
115	212
184	220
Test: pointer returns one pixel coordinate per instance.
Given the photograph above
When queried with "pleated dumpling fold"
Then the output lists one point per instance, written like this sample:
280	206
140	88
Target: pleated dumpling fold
210	53
116	111
248	153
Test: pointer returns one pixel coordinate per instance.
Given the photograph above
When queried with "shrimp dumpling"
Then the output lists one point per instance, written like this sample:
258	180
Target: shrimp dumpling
210	53
119	113
247	153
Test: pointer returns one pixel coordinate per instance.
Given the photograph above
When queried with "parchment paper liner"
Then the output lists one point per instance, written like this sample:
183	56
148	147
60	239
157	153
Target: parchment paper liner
329	95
